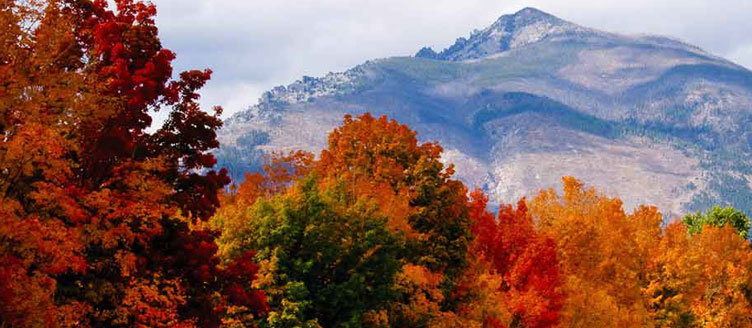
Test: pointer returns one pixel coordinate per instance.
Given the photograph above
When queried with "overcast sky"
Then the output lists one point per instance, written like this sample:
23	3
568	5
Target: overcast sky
254	45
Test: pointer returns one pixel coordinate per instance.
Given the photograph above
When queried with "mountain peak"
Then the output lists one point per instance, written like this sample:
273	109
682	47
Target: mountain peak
533	12
524	27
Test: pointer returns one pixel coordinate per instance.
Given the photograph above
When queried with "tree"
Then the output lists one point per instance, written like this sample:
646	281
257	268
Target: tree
605	254
280	172
378	168
325	262
702	279
718	217
100	218
526	261
382	161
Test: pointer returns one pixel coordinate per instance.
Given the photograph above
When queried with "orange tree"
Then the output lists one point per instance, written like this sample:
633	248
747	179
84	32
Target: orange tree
605	254
702	279
96	212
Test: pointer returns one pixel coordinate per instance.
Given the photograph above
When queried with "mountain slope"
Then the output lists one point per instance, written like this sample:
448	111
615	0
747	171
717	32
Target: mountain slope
531	98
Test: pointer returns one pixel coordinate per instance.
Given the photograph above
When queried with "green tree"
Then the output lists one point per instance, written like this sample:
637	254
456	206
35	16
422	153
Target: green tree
382	160
718	217
324	263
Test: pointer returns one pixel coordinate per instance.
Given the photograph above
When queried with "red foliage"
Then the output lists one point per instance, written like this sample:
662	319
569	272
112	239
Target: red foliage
239	276
95	208
526	261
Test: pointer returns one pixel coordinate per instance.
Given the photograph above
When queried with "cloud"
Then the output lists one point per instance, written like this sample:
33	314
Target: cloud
254	45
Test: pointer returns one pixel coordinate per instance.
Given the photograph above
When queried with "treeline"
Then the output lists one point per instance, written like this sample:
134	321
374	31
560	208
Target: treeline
376	233
104	224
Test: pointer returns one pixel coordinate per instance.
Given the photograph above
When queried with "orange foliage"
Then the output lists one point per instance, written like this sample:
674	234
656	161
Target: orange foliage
378	160
604	253
570	260
381	161
100	219
278	173
623	270
705	278
94	209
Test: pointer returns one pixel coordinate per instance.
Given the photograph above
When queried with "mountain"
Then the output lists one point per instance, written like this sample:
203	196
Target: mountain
531	98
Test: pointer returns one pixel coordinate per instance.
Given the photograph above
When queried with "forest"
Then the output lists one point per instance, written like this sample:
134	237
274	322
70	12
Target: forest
108	222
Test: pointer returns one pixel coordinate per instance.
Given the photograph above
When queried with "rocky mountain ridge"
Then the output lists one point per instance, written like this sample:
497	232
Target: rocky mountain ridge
534	97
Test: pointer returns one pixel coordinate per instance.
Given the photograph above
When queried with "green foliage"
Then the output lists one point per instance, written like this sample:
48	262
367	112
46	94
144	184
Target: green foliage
718	217
443	215
384	159
326	263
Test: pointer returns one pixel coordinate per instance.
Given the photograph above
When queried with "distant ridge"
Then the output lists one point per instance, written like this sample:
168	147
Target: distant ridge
531	98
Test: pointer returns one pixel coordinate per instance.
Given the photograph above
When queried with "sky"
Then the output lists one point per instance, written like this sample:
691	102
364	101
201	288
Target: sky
254	45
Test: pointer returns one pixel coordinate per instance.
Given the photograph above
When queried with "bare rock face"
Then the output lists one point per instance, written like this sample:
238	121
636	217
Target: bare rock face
531	98
527	26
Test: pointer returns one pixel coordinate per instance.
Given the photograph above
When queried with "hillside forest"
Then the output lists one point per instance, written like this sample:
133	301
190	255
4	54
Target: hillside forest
106	221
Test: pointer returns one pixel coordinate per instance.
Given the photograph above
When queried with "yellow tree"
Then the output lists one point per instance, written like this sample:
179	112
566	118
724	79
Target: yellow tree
701	280
604	252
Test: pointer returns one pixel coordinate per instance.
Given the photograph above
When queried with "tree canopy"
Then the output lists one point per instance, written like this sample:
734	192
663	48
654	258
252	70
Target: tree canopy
718	217
100	218
108	221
